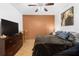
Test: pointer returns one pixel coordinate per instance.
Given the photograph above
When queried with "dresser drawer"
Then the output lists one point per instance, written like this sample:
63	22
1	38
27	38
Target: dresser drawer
10	45
10	42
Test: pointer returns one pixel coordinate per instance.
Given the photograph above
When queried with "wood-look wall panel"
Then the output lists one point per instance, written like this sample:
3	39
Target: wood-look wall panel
34	25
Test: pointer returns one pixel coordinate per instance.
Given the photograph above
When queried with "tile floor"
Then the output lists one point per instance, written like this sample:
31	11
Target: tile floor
26	49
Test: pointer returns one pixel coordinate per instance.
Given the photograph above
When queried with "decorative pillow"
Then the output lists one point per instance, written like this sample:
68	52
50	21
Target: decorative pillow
75	36
63	35
58	32
71	37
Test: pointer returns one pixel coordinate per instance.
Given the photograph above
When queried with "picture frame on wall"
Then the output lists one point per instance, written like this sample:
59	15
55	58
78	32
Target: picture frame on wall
67	17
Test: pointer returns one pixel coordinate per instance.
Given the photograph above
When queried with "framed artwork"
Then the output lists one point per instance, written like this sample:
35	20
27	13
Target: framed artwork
67	17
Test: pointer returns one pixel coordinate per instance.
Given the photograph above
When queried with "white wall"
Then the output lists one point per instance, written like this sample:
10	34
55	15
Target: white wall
75	27
8	12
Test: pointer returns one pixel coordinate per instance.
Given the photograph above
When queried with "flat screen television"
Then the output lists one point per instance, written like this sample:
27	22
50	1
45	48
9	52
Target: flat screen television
8	27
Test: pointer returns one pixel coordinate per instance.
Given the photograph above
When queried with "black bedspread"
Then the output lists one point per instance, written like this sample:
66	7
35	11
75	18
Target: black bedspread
73	51
48	49
50	45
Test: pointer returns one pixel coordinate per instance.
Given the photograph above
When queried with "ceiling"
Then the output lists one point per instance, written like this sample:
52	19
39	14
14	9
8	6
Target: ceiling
30	10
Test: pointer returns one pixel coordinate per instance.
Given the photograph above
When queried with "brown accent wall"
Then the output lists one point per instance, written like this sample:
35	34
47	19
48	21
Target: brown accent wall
34	25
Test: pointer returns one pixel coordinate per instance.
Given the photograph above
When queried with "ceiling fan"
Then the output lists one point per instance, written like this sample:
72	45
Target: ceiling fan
40	5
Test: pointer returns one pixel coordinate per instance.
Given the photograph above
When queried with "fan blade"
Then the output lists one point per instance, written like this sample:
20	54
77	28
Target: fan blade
36	10
47	4
45	9
32	5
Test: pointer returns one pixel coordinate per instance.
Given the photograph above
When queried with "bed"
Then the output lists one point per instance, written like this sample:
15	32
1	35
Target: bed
50	45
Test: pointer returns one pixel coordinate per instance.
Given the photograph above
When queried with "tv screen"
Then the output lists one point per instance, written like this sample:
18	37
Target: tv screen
8	27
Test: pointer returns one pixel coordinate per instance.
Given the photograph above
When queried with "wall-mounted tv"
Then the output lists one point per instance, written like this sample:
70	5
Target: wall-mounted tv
8	27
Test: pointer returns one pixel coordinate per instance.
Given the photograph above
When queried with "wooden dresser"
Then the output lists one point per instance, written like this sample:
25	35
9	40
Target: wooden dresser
10	45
